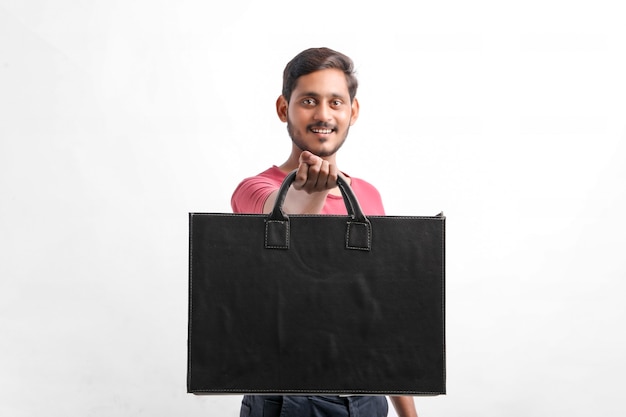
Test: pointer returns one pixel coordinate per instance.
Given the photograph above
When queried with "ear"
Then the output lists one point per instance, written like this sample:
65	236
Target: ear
355	111
281	108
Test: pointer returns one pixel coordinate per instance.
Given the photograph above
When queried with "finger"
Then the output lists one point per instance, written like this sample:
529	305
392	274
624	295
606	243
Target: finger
317	179
302	176
332	176
323	176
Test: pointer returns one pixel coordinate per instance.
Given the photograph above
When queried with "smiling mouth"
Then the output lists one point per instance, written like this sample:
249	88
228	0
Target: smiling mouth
323	131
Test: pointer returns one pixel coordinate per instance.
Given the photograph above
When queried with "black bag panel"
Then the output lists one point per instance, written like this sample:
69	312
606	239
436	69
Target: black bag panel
318	316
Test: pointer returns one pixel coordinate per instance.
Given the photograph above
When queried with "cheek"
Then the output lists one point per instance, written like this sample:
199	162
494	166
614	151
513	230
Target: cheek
345	118
295	116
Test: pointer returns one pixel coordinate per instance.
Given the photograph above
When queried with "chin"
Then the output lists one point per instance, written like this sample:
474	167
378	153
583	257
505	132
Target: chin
321	151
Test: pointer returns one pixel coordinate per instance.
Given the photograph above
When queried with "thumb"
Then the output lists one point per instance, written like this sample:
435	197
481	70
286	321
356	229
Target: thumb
308	158
304	157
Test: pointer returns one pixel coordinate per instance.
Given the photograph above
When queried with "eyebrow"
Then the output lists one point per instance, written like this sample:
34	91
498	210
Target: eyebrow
317	95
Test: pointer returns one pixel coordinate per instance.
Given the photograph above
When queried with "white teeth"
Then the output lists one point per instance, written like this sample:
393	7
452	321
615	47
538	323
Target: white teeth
326	131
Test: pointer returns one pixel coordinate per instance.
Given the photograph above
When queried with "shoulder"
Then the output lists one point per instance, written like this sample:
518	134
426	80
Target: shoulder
362	185
368	196
251	193
270	176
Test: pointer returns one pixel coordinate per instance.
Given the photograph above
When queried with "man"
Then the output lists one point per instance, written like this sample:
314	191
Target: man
318	104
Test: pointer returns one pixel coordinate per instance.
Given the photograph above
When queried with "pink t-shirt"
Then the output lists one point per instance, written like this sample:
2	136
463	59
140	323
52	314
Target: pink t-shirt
251	193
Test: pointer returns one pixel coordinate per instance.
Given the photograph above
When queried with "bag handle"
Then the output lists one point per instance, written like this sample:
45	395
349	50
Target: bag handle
358	230
352	204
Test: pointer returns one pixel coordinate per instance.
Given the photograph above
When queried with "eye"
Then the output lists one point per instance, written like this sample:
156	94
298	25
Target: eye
336	103
308	102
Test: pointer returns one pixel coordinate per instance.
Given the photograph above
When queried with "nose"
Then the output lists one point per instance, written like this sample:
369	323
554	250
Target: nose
322	112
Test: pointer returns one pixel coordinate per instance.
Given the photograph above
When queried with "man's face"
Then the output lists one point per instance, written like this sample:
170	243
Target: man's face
319	114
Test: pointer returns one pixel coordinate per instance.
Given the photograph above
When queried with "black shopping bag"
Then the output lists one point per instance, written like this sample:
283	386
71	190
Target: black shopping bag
311	304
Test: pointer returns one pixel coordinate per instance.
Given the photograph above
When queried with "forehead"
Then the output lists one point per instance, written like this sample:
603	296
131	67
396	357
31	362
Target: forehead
326	82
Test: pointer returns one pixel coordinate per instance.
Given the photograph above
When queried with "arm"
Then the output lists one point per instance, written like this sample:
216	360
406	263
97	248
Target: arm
314	179
404	406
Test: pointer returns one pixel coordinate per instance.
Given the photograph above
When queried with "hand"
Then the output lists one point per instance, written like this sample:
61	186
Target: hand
315	174
405	406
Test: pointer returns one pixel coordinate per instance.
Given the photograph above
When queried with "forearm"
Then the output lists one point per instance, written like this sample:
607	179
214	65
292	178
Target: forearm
404	406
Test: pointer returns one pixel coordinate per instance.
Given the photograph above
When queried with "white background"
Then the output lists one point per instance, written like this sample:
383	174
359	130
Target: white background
117	118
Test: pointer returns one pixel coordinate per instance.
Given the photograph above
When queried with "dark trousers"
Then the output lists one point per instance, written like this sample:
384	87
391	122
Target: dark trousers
313	406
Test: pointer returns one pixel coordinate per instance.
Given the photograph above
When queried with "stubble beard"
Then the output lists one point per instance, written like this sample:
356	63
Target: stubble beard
301	144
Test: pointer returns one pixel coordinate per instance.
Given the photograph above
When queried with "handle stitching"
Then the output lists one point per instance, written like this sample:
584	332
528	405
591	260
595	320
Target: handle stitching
286	245
369	236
